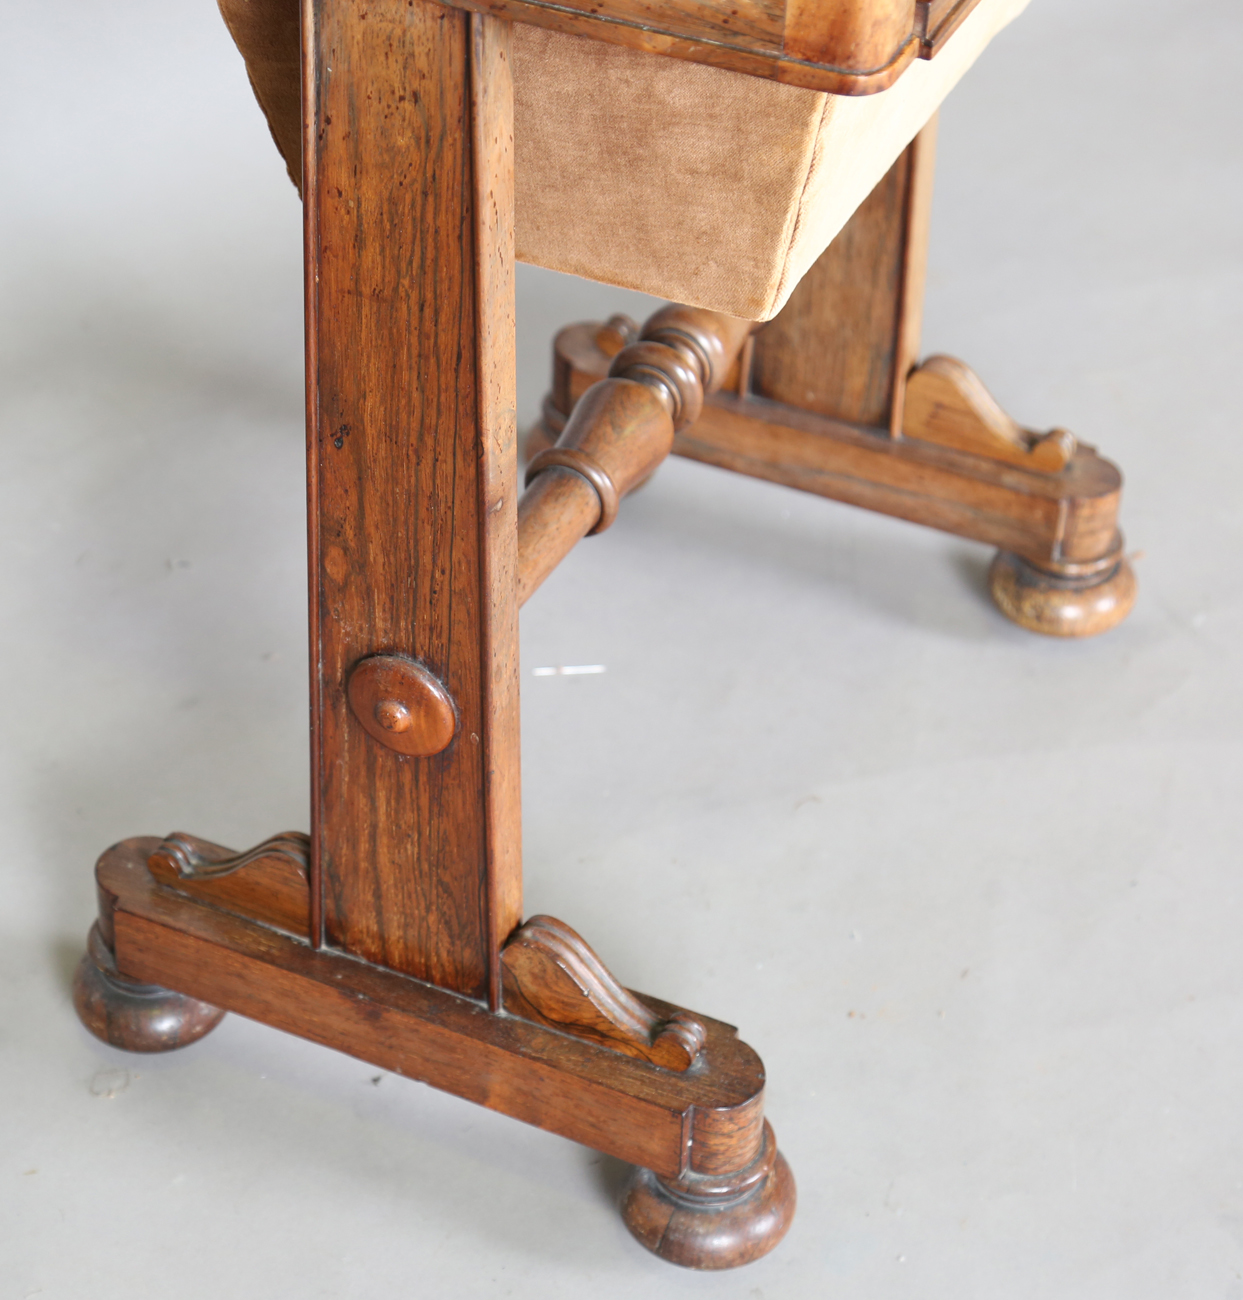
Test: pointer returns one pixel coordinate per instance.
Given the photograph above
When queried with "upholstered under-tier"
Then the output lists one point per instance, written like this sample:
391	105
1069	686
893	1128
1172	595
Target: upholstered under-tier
707	187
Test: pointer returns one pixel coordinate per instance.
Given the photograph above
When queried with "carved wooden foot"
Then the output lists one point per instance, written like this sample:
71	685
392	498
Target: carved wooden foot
1071	600
713	1220
135	1017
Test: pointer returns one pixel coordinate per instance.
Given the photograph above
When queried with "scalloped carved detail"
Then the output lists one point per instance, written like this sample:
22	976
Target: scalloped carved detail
947	403
552	976
269	883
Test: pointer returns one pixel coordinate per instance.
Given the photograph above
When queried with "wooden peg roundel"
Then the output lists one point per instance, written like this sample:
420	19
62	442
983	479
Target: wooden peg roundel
402	705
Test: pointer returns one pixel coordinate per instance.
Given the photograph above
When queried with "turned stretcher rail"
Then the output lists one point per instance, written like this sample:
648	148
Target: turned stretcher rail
621	429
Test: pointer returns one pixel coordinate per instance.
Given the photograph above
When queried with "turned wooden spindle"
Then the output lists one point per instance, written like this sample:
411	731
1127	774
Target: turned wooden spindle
620	431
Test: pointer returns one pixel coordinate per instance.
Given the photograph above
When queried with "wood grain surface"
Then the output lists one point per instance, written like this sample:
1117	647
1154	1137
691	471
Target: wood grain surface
861	35
131	1015
411	471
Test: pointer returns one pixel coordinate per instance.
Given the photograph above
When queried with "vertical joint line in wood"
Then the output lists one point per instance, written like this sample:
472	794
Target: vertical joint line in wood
921	159
485	194
477	89
1059	536
745	357
310	251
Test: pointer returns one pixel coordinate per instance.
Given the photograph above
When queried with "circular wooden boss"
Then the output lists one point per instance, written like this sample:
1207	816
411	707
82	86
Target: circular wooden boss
402	705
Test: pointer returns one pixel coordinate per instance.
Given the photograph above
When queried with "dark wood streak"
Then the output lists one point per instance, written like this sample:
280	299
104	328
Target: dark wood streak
305	172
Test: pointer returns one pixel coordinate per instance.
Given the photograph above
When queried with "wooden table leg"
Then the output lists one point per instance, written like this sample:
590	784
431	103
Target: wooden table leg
393	931
412	481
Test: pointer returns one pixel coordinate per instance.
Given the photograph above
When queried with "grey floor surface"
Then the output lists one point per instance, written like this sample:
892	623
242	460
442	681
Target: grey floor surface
974	895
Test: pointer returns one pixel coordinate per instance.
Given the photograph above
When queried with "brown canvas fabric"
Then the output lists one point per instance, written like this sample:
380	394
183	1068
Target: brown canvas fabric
657	174
691	183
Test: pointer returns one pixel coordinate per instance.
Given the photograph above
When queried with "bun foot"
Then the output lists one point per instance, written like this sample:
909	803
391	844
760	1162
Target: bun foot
135	1017
1074	600
713	1220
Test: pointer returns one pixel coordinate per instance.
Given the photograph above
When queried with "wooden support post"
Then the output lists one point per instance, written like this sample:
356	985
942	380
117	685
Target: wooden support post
412	478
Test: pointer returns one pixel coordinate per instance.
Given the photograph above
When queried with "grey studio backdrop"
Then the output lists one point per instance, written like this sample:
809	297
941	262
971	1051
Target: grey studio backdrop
972	894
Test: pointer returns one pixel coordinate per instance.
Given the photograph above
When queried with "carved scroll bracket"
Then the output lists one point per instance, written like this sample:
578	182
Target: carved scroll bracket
268	884
946	403
553	977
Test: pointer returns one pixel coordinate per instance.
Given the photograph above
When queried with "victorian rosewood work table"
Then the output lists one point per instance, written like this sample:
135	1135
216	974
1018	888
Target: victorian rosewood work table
760	162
